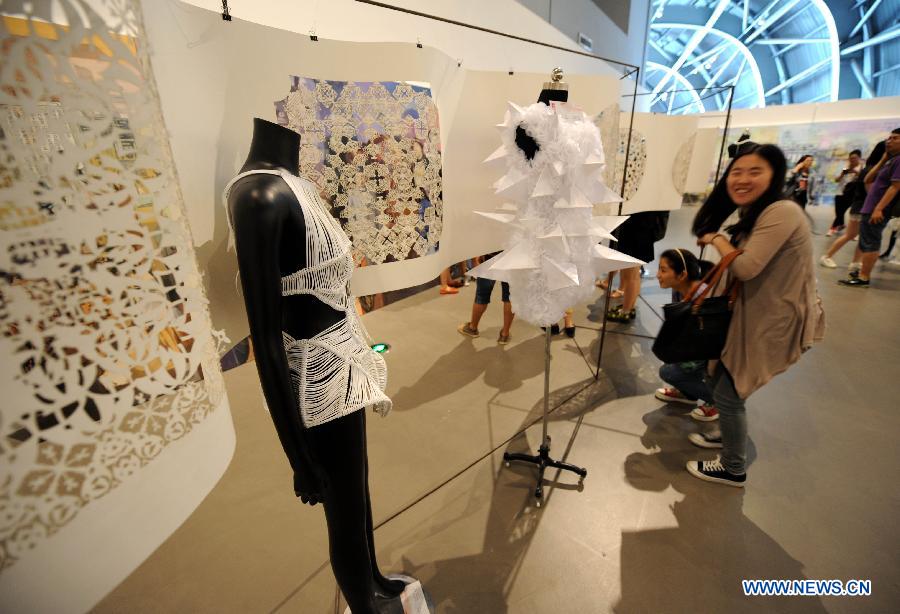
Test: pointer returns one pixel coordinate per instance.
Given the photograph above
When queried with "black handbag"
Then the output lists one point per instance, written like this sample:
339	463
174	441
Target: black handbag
696	328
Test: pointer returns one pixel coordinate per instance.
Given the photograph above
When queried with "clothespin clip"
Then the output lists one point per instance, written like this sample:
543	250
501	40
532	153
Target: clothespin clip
226	16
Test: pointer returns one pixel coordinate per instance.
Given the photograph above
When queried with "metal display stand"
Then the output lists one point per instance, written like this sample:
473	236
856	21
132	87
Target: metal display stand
542	459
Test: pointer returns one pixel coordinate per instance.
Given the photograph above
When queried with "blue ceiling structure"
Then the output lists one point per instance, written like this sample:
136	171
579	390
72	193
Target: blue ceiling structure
771	51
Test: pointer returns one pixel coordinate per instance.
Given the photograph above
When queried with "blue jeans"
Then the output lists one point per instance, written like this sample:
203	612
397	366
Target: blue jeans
732	420
687	377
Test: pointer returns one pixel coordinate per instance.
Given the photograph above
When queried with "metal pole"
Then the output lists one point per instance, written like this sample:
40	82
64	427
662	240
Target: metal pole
724	135
546	384
621	194
489	31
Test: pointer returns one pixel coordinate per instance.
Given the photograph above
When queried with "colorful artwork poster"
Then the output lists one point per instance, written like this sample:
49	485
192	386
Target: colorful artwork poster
374	151
828	142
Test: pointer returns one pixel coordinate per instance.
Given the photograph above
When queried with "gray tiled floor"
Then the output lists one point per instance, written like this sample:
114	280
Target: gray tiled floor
641	536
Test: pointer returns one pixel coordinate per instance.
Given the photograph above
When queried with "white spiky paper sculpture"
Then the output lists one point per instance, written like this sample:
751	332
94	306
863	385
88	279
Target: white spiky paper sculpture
553	253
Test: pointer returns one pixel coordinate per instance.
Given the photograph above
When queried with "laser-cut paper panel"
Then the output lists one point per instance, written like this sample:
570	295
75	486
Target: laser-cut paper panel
110	361
374	151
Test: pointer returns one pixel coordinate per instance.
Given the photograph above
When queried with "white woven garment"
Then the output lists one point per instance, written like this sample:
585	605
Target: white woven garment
335	372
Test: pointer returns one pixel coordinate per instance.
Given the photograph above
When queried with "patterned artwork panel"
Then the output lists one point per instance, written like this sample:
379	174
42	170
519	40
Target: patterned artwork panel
374	151
108	352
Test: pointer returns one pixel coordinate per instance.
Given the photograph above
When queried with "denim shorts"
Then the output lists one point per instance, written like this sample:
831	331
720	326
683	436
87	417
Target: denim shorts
870	234
484	288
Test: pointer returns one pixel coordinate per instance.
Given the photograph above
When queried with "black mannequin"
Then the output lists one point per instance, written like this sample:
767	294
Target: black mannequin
553	92
329	461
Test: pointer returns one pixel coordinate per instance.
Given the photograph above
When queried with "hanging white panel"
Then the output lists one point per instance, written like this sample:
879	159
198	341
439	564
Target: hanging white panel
114	420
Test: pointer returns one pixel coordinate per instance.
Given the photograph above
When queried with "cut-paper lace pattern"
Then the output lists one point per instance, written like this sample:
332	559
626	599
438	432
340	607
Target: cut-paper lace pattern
613	126
335	372
108	351
682	164
637	161
374	151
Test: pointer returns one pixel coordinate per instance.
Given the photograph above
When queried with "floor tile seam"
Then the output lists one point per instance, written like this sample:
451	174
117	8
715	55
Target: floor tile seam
652	308
616	332
308	579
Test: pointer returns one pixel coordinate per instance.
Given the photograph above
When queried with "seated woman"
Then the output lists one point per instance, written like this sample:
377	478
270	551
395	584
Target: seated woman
681	271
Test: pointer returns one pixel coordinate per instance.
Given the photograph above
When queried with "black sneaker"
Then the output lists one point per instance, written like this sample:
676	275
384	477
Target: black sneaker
714	471
854	281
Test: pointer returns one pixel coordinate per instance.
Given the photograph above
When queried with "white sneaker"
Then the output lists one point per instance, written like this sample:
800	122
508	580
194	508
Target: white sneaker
827	262
831	232
706	440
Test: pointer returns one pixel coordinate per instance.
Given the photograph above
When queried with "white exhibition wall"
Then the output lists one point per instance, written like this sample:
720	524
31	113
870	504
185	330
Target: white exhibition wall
665	144
214	77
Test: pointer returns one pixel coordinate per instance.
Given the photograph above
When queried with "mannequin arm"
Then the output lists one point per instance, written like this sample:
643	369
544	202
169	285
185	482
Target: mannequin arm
259	219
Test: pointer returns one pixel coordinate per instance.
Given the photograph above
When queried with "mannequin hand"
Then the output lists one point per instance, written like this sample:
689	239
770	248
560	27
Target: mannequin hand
308	484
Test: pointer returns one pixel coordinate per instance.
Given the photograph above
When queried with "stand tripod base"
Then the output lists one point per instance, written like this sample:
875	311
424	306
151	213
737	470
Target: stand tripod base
543	460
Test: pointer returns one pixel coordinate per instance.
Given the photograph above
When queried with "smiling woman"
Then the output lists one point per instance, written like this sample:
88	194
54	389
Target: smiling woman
777	315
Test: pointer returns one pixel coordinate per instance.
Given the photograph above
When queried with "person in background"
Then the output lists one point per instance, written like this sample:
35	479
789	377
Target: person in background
843	199
636	238
681	271
800	185
777	315
483	290
447	284
894	227
857	191
883	185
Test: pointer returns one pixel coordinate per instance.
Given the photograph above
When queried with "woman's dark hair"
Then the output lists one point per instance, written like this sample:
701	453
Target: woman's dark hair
719	206
681	260
876	155
857	152
803	158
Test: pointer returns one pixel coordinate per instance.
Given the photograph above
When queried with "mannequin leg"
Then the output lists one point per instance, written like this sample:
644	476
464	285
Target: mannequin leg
383	586
339	445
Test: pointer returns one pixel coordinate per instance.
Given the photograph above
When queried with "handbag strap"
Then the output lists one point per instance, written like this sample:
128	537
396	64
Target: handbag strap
712	278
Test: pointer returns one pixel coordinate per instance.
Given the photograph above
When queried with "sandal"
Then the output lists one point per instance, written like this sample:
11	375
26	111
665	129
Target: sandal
618	315
467	330
449	290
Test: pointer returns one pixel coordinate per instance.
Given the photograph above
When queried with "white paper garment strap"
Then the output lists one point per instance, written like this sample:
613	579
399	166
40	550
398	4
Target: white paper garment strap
329	262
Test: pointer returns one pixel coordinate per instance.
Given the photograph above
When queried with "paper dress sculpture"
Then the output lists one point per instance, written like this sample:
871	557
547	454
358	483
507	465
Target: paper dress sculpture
553	252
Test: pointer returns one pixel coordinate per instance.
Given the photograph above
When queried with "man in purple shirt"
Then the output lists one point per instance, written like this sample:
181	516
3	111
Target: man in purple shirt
883	185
